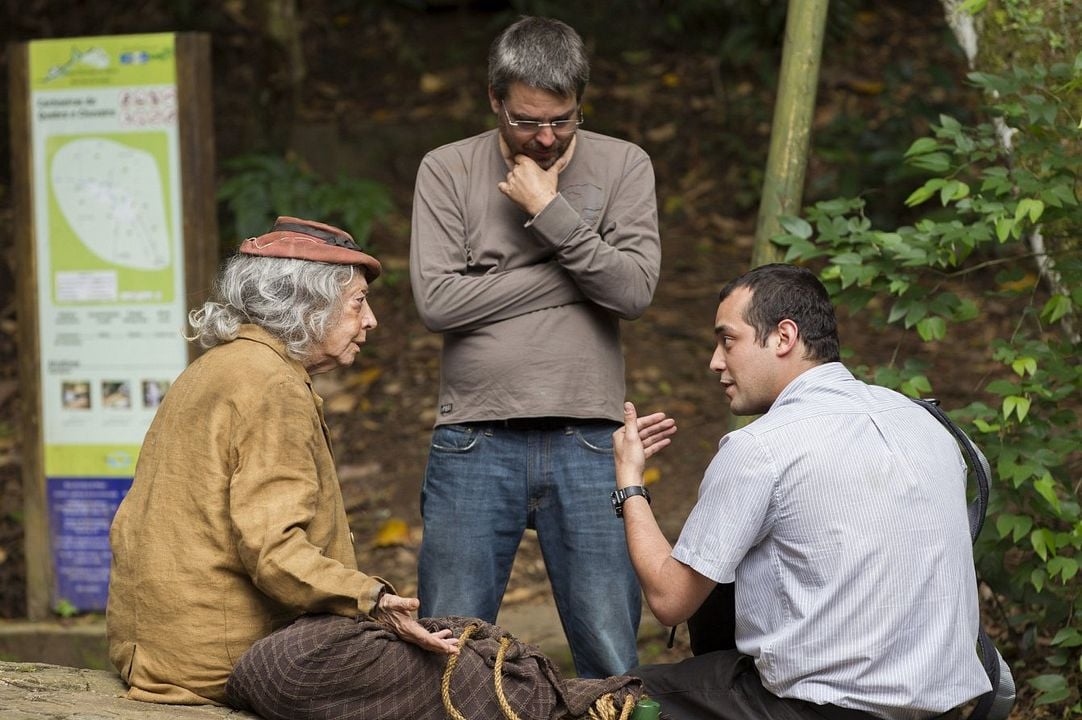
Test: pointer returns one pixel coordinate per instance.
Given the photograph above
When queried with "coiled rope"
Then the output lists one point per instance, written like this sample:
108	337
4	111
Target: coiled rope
604	708
497	679
445	683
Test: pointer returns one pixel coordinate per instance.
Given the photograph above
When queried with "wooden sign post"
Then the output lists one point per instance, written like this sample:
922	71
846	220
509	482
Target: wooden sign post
116	239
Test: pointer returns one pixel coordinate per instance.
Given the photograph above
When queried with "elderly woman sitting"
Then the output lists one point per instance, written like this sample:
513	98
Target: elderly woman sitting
234	526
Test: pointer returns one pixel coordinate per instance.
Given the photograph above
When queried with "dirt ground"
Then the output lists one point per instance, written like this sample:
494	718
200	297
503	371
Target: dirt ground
708	148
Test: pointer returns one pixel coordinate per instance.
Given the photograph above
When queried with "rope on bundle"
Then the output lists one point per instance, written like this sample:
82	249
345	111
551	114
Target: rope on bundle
604	708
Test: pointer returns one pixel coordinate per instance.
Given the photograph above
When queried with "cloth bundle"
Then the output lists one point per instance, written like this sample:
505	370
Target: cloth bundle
328	667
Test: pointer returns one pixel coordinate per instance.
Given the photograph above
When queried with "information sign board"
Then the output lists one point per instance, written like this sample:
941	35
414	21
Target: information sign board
110	275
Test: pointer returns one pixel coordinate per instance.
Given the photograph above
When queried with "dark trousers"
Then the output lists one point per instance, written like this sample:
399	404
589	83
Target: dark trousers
720	683
724	685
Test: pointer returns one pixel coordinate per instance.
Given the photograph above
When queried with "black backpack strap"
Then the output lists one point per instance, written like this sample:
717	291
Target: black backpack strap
997	703
974	458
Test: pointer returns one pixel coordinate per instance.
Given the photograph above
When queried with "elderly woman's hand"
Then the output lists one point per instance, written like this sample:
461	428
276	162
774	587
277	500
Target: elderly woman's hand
397	613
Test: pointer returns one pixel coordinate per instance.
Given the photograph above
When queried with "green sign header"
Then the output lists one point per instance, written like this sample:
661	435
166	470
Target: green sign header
98	62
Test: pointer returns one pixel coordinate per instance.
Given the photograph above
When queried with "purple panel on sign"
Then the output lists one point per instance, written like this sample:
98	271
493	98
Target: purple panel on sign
80	512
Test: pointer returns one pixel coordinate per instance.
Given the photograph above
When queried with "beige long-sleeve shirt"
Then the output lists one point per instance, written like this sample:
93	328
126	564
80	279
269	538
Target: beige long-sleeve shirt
234	525
530	308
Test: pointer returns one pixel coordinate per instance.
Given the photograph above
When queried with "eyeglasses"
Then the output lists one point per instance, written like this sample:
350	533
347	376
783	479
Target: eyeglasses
532	127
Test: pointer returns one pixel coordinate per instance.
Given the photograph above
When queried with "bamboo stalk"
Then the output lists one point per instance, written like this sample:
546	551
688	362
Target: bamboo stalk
783	186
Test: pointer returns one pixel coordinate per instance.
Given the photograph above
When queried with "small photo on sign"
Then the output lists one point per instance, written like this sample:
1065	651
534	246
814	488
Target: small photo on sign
75	394
116	394
153	392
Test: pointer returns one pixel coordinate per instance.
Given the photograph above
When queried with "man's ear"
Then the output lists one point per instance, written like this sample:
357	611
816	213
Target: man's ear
788	336
492	101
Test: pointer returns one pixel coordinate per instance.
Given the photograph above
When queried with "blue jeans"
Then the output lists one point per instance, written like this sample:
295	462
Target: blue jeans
484	485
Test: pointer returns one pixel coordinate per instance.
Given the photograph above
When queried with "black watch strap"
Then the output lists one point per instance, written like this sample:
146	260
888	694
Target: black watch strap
619	495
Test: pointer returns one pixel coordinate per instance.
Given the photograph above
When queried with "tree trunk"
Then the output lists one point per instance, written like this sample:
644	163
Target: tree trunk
281	60
783	186
790	134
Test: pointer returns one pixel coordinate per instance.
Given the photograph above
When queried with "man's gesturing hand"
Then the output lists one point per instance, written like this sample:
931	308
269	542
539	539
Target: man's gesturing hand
639	439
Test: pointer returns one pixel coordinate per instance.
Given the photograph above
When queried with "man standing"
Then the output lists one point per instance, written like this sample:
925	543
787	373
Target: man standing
530	243
841	516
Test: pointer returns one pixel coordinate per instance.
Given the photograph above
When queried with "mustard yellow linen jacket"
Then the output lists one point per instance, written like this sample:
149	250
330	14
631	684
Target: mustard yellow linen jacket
234	525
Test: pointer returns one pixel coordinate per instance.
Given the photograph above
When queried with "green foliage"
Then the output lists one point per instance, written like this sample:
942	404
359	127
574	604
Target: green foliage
259	188
862	147
1027	21
983	208
65	609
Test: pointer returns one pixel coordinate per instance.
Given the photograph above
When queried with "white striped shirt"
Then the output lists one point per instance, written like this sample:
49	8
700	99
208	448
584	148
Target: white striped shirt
841	515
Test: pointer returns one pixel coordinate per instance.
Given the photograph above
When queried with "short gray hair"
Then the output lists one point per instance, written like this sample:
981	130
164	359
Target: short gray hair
542	53
293	300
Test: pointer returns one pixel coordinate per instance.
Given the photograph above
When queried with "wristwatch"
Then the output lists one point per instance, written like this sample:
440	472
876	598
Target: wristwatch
619	495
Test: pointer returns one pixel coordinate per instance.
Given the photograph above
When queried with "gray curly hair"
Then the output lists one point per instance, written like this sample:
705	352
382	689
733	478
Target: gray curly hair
293	300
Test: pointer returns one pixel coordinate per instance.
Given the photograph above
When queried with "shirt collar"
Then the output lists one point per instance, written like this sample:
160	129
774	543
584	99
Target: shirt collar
826	373
255	333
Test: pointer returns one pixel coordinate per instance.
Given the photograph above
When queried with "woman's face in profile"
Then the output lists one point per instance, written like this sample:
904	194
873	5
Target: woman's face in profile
347	331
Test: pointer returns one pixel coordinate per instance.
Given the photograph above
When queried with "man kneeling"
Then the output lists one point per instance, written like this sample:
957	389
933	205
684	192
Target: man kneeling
841	516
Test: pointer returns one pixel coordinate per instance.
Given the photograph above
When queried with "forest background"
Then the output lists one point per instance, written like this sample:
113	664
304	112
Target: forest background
955	260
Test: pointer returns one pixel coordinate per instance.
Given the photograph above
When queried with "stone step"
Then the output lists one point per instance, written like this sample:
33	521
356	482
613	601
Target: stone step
36	691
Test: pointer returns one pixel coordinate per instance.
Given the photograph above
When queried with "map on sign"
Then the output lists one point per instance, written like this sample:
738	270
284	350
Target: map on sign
111	196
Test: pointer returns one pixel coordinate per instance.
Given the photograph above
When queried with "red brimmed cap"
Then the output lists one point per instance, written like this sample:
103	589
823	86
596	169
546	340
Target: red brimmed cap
309	240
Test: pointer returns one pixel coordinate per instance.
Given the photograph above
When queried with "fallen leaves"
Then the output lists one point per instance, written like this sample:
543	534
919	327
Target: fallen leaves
662	133
432	83
393	532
